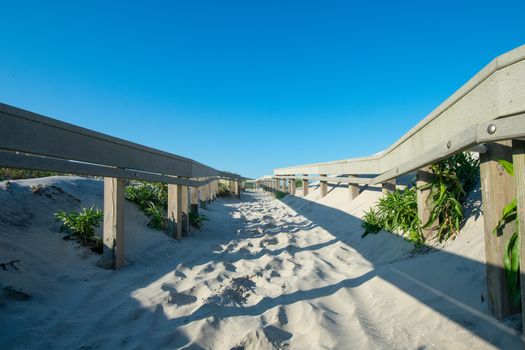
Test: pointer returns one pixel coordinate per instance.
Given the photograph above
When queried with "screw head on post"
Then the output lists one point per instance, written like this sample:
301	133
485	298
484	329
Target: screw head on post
491	129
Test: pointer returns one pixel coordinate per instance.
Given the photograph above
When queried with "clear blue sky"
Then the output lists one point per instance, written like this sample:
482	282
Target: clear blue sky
243	86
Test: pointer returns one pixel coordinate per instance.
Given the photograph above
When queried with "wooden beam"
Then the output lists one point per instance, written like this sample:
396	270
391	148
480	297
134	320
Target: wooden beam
518	159
323	185
389	186
498	189
194	200
424	204
185	211
495	91
28	132
237	185
305	185
113	230
175	210
330	179
353	189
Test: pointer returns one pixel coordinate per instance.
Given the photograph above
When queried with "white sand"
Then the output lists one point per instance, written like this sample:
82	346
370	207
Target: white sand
262	274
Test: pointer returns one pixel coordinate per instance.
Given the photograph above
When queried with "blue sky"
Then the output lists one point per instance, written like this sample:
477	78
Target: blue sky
249	86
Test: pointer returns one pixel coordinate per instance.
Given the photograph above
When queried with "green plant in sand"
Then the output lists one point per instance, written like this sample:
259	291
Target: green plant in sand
81	225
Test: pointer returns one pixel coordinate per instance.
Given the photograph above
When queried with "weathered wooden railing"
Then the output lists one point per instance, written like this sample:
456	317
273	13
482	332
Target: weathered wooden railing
32	141
486	115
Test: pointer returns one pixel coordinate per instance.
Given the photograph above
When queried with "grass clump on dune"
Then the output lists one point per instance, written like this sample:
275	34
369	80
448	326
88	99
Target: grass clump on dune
280	194
223	190
197	220
152	199
81	226
451	180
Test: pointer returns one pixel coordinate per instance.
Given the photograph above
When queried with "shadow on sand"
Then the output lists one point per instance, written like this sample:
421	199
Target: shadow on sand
465	308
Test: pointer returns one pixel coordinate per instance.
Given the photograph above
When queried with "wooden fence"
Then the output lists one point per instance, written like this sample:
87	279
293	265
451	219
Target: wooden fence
486	115
32	141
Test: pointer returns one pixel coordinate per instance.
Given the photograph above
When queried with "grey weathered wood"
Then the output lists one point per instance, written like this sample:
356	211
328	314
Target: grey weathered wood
28	132
305	185
24	161
237	185
194	200
424	204
498	189
323	185
113	228
389	186
175	210
185	211
329	179
495	91
32	133
518	159
353	188
467	139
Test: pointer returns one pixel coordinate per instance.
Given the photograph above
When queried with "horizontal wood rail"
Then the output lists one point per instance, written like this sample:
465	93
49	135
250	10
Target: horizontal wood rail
486	115
331	179
494	92
31	135
32	141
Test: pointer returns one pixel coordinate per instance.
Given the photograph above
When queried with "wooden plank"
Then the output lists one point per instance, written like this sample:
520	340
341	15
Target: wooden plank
330	179
388	186
498	189
323	185
28	132
237	185
424	204
194	200
175	210
113	228
495	130
201	196
185	211
305	185
518	159
496	91
353	189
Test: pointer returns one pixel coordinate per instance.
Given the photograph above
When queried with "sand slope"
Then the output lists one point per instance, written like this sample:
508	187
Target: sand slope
262	274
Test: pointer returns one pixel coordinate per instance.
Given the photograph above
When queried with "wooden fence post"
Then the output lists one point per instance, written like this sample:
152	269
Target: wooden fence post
323	186
305	186
389	186
194	207
292	186
185	211
238	189
497	189
353	189
424	204
518	159
202	195
113	230
175	210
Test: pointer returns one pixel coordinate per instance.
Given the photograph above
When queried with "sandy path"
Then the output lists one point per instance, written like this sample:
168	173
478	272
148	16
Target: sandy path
259	275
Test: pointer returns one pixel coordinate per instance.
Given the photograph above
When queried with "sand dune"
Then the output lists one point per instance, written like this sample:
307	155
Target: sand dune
262	274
